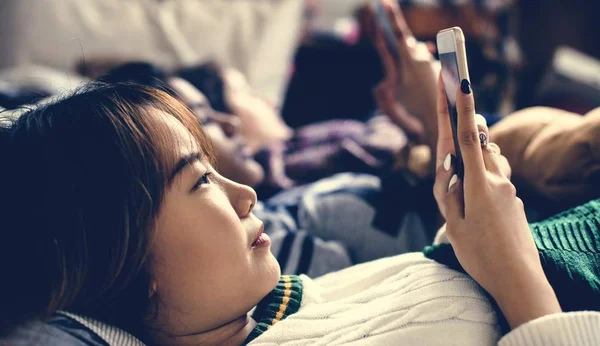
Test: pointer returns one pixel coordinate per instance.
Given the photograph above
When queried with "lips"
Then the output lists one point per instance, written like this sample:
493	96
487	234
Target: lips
261	239
261	230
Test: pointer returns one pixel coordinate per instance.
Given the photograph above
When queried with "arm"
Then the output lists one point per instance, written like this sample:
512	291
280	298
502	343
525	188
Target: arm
486	222
407	94
568	329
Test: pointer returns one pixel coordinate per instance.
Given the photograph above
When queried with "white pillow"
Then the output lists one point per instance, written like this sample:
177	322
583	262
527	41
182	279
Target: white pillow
258	37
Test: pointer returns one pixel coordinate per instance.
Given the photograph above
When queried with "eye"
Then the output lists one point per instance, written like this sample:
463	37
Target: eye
202	181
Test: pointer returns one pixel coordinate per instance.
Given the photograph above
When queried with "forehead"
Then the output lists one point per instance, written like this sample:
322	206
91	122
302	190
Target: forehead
174	139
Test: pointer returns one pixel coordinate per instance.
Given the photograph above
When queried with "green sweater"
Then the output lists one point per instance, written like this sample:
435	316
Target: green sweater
283	301
569	248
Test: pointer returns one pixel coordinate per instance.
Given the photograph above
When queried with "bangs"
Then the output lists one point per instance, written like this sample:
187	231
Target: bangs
143	122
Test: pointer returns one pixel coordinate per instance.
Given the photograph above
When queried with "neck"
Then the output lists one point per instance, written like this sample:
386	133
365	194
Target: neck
231	334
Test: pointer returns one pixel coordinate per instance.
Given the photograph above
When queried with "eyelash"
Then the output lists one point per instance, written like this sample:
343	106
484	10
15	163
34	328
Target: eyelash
203	180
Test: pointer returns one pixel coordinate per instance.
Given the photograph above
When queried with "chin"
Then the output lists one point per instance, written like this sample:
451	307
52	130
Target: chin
265	278
274	270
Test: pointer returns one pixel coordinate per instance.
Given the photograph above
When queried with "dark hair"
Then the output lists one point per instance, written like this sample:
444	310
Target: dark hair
83	181
139	72
208	78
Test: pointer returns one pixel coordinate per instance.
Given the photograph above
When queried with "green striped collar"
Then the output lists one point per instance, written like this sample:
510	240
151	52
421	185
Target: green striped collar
283	301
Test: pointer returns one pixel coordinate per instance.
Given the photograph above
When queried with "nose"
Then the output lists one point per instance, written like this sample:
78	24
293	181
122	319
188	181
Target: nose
244	199
230	124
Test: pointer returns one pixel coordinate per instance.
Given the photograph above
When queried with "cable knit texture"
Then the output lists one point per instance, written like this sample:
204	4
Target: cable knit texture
406	299
568	329
412	300
569	248
402	300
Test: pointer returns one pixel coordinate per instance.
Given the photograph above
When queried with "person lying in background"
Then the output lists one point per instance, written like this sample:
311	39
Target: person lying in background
308	153
291	157
315	228
116	213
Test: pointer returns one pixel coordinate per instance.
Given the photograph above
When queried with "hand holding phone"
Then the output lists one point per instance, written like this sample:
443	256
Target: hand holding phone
386	27
453	57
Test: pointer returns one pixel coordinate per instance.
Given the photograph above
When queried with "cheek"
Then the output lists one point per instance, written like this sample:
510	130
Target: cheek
203	227
195	239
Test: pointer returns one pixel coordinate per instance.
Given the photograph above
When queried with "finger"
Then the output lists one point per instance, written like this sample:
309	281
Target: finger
496	163
442	179
445	142
366	18
495	148
431	47
453	201
389	64
404	35
506	168
482	126
468	134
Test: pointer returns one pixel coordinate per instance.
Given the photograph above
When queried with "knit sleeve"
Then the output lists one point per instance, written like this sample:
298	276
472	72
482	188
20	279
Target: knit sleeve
572	329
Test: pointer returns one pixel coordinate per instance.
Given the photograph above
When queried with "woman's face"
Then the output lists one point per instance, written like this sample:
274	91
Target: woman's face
209	264
262	125
232	151
234	156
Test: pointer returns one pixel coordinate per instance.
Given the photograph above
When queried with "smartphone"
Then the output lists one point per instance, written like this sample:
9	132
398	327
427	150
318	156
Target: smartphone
386	27
453	57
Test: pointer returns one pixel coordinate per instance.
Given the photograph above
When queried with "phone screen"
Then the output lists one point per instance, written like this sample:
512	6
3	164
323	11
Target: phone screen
451	83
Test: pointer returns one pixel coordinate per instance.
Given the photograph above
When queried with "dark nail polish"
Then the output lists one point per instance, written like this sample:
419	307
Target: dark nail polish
465	87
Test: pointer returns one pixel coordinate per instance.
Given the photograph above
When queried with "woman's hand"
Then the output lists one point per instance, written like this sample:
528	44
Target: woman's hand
485	221
411	80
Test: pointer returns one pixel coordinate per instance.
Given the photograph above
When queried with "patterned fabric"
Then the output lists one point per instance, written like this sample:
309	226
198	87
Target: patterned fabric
346	219
320	150
569	248
283	301
296	249
111	335
60	330
336	146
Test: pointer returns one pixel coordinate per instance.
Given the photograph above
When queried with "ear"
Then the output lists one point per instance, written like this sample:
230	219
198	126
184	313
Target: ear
152	289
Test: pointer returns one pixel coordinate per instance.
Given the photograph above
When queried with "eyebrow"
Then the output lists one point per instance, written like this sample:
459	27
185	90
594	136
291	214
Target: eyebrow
183	163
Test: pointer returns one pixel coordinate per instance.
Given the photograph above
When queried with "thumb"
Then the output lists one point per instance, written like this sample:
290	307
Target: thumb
454	201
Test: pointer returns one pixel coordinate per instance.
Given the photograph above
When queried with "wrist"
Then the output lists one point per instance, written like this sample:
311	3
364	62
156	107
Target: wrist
528	299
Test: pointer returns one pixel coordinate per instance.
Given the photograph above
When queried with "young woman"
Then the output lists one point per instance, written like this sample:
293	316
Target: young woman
304	222
112	209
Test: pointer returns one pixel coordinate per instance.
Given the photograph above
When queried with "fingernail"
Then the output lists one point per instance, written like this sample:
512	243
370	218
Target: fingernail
465	87
482	118
448	162
483	139
453	181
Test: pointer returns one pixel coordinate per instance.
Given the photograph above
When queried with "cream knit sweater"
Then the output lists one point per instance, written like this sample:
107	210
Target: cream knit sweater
411	300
